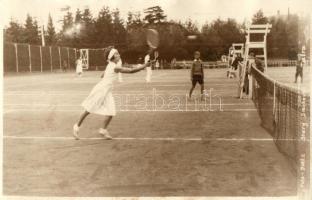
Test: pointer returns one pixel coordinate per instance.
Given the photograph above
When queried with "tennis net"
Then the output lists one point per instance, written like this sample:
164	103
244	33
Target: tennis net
285	113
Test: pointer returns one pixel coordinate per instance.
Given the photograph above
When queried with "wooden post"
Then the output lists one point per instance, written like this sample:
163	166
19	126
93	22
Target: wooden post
29	54
41	59
265	58
250	87
16	56
75	54
51	58
68	58
59	50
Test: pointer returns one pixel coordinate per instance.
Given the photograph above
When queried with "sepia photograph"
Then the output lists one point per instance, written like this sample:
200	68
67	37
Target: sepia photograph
155	99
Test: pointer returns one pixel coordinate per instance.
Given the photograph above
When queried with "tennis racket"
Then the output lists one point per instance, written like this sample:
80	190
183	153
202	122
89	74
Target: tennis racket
152	38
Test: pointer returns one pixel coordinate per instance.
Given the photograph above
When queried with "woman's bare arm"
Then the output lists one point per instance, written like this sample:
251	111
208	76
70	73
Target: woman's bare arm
131	70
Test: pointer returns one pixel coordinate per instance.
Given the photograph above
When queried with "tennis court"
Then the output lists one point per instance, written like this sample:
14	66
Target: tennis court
287	75
164	145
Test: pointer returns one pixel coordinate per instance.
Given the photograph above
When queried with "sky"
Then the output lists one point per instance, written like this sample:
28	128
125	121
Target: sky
201	11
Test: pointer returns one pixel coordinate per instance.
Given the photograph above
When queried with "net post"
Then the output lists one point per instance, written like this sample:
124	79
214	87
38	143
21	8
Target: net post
40	58
59	51
29	54
16	56
250	86
51	58
274	97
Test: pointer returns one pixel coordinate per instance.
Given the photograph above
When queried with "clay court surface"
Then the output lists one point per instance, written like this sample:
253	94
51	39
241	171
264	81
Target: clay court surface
173	148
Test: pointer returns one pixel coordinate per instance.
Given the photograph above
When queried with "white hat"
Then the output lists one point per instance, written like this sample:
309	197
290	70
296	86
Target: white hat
111	53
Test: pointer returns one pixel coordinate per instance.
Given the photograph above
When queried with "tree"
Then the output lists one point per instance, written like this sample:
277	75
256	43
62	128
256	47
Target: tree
134	19
104	28
87	33
259	18
78	16
51	34
191	27
154	15
31	33
66	34
118	28
77	33
14	32
68	21
218	36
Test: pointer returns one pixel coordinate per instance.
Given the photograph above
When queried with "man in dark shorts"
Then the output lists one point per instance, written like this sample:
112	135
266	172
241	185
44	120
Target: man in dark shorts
237	61
299	68
197	74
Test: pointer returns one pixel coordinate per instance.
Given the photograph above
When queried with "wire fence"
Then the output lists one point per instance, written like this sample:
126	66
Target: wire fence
34	58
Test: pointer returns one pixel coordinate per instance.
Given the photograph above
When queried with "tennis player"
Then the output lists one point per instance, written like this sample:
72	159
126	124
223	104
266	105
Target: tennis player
299	68
147	60
197	74
100	100
79	67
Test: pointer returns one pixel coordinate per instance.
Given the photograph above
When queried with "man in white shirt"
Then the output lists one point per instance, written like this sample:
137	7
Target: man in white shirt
147	58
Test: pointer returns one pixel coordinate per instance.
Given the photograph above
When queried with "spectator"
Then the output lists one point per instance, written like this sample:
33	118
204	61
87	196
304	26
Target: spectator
64	66
250	62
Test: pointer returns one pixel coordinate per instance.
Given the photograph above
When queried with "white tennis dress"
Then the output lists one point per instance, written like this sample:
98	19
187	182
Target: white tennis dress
148	69
79	66
100	100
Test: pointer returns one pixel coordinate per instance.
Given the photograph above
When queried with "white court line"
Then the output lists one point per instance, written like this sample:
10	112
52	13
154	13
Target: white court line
78	105
128	110
133	138
73	81
223	94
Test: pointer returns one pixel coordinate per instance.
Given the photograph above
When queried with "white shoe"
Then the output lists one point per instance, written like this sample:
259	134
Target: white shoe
105	134
76	131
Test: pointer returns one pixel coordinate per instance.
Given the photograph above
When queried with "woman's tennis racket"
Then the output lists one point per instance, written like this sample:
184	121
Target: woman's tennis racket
152	38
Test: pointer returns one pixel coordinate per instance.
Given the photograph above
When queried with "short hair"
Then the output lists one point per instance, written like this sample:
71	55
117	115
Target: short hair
196	53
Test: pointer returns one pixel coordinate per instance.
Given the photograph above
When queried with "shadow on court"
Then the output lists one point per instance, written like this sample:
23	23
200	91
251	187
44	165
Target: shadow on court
159	151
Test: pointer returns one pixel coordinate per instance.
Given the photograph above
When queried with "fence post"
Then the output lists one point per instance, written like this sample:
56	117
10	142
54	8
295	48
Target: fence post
29	53
59	48
51	58
16	56
68	66
40	59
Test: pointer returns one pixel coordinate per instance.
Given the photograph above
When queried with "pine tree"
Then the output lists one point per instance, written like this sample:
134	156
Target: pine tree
191	27
259	18
118	28
68	21
78	16
30	33
154	15
87	34
134	19
104	34
14	32
51	34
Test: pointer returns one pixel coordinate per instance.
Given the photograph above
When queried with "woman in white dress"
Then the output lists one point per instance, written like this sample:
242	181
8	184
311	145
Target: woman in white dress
100	100
79	66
